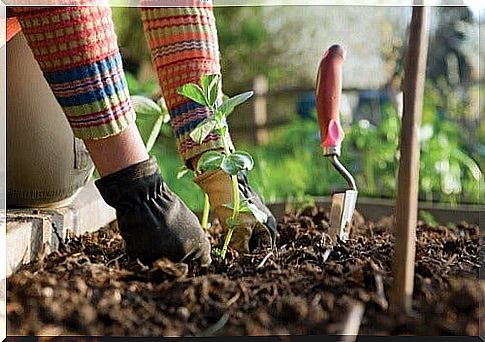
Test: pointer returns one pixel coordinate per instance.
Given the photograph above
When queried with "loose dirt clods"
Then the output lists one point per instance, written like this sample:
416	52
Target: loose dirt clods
305	287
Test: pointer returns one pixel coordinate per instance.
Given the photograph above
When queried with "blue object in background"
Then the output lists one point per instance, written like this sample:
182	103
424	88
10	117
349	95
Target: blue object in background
370	104
306	105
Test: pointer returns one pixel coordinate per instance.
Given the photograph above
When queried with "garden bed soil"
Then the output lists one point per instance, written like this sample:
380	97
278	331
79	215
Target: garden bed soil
90	287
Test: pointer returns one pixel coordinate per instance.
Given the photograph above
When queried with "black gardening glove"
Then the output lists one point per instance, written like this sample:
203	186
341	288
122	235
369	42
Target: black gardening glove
153	221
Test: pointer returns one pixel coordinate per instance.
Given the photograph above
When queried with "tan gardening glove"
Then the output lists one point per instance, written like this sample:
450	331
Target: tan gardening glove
249	233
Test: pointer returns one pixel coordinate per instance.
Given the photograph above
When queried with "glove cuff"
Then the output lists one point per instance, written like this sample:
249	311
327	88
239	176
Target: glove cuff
133	172
143	177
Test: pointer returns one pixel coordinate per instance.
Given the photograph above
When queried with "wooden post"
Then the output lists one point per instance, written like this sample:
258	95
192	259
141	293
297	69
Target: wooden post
260	86
408	179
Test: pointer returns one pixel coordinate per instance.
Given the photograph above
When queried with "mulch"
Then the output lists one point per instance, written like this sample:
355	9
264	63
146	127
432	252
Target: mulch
90	287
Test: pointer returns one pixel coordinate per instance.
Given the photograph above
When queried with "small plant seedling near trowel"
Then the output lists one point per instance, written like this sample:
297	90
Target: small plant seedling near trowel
231	162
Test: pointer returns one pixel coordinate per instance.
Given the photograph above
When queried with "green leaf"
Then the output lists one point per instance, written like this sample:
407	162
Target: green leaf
228	106
231	166
217	253
469	163
145	108
229	205
145	127
154	133
210	86
243	206
205	81
231	223
243	159
193	92
259	215
210	161
150	118
166	118
203	130
182	171
163	106
236	162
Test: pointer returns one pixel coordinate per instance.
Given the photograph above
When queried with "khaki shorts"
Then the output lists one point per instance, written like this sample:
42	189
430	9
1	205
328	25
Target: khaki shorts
45	163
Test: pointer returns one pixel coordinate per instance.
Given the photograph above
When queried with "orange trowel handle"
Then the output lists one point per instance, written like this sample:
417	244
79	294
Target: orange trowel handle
328	93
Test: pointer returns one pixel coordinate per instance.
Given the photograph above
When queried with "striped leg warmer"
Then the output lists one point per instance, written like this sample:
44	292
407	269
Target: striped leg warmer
77	51
184	46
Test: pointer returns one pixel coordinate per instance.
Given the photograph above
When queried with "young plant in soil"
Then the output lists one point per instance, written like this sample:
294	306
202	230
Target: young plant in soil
231	162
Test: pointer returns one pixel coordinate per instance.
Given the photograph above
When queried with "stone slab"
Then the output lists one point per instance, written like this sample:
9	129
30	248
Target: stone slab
30	232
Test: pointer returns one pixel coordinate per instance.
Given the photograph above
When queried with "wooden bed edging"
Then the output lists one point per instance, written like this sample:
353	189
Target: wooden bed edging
375	208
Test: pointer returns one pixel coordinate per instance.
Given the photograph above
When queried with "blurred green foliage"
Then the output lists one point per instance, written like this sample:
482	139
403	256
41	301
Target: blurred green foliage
129	30
246	47
147	89
291	166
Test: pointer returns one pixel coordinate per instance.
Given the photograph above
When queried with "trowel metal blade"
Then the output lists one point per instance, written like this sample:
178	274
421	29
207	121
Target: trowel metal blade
343	205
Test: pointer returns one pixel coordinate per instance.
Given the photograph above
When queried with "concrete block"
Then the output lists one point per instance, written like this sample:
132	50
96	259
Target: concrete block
23	239
30	231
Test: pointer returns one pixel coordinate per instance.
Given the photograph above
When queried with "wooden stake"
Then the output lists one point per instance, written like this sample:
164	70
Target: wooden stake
408	179
260	86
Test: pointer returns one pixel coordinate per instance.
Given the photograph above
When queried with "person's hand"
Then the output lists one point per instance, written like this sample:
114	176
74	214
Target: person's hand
249	233
153	221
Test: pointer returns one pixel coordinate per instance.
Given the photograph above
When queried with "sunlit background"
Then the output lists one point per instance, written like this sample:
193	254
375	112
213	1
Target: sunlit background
282	46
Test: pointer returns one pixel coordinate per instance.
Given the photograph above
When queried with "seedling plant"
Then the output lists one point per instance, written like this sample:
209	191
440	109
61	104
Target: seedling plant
227	160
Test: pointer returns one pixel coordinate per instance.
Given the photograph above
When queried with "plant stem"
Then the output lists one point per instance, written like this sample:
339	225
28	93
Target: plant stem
226	242
152	139
235	216
205	213
235	196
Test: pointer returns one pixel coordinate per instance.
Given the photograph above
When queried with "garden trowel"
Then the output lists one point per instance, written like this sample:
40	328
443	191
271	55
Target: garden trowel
328	93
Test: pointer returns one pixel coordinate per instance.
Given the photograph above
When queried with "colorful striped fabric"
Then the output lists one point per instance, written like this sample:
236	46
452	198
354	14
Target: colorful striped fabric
77	51
184	46
12	28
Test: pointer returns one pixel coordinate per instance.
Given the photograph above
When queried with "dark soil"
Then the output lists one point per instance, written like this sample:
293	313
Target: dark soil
91	288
